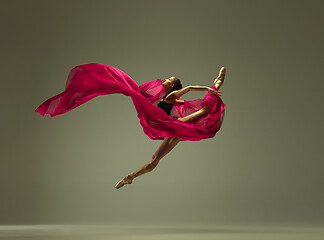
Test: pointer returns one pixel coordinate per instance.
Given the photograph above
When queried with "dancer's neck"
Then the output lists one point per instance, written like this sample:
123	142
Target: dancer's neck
168	89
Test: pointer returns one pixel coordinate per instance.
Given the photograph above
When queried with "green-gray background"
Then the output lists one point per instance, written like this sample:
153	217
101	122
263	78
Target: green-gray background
264	166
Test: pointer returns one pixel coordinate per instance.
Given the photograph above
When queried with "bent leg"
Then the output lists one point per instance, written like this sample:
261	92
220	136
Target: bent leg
196	115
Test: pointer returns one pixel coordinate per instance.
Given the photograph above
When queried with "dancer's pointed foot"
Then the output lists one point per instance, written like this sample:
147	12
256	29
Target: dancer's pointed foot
221	76
126	180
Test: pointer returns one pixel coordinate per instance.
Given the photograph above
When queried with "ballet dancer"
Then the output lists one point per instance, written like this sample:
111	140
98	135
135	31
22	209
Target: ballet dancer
173	91
154	102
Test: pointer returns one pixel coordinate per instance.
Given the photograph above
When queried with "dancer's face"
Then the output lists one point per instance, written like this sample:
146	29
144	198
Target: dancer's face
169	82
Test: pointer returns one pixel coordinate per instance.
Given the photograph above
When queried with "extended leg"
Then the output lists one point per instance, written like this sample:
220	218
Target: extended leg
169	143
166	146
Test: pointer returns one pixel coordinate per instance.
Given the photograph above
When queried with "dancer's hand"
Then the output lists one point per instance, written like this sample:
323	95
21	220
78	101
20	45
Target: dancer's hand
214	92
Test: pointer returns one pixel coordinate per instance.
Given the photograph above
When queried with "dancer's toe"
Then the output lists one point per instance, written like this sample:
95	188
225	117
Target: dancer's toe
126	180
221	75
120	184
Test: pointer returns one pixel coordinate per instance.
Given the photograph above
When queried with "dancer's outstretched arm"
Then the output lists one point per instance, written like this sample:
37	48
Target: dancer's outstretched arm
172	97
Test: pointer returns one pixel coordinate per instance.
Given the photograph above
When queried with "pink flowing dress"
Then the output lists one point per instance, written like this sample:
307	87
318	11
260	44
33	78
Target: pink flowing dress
87	81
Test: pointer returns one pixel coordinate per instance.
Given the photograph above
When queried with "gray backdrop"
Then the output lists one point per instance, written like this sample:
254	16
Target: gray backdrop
265	165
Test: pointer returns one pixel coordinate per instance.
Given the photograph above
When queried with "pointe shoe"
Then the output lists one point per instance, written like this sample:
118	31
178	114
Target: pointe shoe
126	180
221	75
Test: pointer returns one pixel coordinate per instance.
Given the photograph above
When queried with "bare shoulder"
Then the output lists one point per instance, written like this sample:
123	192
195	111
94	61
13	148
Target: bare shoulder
171	97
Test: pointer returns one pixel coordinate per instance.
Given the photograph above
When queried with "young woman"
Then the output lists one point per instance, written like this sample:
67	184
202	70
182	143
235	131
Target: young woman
173	93
162	115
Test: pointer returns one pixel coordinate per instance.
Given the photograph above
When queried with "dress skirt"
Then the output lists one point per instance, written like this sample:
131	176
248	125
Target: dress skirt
90	80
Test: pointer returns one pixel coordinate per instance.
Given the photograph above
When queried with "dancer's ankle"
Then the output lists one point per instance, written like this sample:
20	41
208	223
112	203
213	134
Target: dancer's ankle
131	176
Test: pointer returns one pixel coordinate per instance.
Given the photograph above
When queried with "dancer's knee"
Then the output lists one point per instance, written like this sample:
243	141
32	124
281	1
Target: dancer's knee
152	164
206	110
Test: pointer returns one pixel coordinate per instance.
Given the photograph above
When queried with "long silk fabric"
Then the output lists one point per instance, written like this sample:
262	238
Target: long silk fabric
90	80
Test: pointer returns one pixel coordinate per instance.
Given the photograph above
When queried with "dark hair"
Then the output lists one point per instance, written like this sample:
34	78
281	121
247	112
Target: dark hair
177	84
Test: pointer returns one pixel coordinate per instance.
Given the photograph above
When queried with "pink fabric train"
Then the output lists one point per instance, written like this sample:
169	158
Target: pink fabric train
90	80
